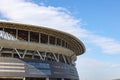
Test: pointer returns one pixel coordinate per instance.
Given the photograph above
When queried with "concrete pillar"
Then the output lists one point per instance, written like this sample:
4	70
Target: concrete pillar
62	79
47	78
48	39
39	38
28	36
24	78
55	41
16	34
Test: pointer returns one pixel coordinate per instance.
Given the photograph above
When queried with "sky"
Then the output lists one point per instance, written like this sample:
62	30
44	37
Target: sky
95	22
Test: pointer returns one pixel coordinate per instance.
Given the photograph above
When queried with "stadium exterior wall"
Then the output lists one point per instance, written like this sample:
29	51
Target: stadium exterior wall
29	52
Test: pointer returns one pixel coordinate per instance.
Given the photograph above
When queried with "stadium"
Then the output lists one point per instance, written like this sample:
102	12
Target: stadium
30	52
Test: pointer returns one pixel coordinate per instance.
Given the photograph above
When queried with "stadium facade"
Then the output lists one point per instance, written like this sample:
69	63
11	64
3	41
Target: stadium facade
29	52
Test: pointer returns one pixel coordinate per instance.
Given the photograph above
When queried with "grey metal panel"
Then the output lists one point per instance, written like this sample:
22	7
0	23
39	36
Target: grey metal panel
42	68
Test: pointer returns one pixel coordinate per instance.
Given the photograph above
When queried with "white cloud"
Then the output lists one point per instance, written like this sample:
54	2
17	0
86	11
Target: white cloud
93	69
116	65
108	45
27	12
59	18
54	17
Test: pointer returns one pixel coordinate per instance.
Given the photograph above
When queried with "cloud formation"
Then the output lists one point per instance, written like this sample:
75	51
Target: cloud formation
92	69
27	12
59	18
107	45
54	17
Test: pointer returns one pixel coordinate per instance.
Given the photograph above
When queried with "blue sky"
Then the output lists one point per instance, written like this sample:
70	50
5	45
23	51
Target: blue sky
95	23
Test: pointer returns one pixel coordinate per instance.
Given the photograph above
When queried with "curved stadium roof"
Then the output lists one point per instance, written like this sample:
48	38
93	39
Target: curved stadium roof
78	46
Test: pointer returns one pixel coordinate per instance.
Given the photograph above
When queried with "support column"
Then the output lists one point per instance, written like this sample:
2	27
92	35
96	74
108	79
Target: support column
40	55
24	78
55	41
25	52
45	55
64	58
3	34
16	34
1	50
18	53
62	79
47	78
28	36
56	57
39	37
48	39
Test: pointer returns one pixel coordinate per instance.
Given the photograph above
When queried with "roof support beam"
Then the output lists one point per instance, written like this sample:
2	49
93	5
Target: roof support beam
40	55
18	53
56	57
25	52
64	58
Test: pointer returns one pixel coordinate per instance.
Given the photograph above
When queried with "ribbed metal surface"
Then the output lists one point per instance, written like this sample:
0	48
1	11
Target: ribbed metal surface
14	67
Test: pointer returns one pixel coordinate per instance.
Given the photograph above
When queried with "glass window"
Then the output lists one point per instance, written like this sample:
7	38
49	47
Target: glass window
58	41
28	57
9	34
16	56
6	54
52	40
44	38
39	65
7	49
10	31
37	71
23	35
36	57
66	45
34	37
